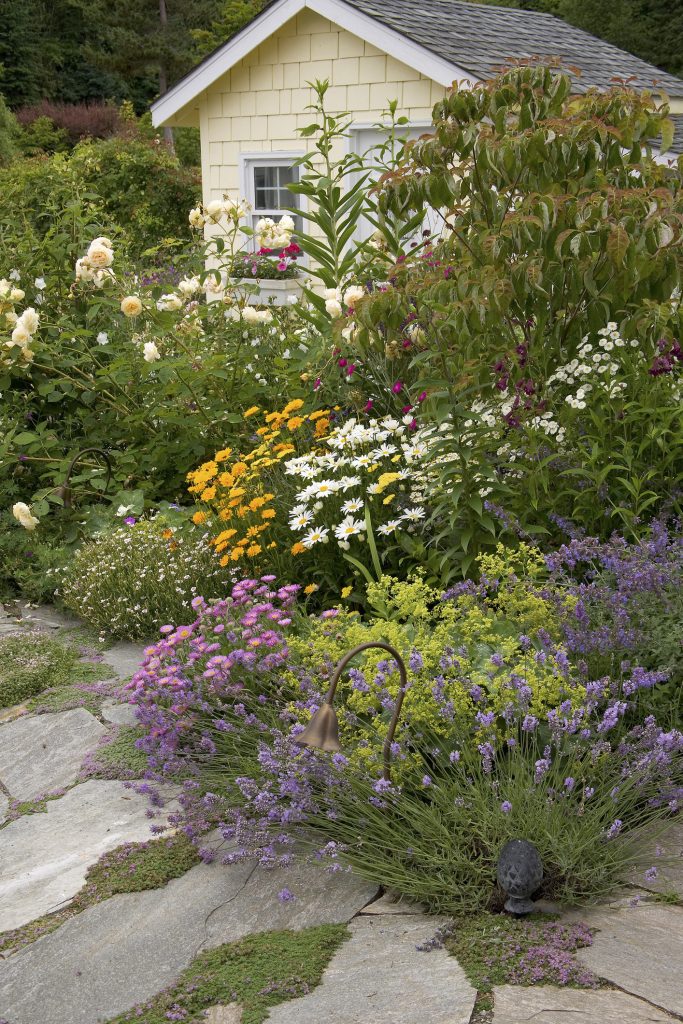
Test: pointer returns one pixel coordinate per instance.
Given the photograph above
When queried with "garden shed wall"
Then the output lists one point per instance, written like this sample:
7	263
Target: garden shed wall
258	105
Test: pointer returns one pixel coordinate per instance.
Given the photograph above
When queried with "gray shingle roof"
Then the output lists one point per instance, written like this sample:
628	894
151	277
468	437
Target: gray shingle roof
677	146
479	37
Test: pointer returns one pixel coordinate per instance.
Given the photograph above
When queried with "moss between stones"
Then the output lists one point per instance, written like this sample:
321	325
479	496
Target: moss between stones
31	662
258	972
131	867
118	757
495	949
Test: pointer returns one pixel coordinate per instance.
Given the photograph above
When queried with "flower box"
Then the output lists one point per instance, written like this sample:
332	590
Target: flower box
274	292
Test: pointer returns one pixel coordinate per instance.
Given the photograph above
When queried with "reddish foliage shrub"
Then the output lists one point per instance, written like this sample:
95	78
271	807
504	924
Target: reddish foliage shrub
79	120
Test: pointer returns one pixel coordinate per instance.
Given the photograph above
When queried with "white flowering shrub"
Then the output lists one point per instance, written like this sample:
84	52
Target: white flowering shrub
130	581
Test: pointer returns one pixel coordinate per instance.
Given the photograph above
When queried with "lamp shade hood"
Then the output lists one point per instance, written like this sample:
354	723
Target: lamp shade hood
322	731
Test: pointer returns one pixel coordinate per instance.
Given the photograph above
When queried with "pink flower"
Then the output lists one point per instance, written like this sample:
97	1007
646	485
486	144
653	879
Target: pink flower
368	405
406	408
351	369
421	397
317	384
341	362
397	387
282	265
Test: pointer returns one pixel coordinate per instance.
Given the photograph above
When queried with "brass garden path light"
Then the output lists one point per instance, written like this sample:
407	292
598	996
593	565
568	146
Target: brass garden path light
322	731
64	490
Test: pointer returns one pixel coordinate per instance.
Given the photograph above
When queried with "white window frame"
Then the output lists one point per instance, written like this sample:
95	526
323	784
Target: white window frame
356	128
272	158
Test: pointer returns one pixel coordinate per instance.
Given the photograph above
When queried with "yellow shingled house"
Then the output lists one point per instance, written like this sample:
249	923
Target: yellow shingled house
249	97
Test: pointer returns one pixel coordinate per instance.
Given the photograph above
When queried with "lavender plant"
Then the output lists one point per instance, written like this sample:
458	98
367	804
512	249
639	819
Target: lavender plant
223	699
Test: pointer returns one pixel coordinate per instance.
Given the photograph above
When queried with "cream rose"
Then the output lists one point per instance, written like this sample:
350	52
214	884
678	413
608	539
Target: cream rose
169	302
250	315
16	295
189	286
29	319
20	335
333	308
353	294
99	256
214	211
196	217
22	513
150	352
131	306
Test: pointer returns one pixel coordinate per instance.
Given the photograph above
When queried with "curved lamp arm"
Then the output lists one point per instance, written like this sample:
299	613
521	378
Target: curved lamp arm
311	736
64	490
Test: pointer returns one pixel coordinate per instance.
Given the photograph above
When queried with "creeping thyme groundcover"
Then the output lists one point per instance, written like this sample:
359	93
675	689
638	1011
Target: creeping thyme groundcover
505	732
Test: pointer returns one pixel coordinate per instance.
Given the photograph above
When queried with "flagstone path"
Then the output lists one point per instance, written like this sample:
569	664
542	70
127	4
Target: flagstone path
124	950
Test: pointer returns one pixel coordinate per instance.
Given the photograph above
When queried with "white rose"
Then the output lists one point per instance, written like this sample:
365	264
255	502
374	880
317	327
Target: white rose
189	285
22	513
99	256
232	313
264	316
333	293
196	217
83	271
11	318
169	302
131	306
150	352
286	224
214	211
250	315
100	278
29	319
102	338
106	242
333	308
20	335
353	294
16	295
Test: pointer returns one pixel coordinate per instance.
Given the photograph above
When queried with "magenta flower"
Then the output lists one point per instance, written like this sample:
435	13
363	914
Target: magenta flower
282	265
368	405
130	520
397	387
421	397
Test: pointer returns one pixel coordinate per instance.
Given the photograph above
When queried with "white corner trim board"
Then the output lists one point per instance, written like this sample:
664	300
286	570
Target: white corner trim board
273	18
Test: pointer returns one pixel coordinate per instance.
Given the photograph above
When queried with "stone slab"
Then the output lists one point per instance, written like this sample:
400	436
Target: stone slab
640	949
46	616
126	949
546	1004
230	1014
119	714
39	755
44	857
669	863
378	977
392	903
125	658
4	805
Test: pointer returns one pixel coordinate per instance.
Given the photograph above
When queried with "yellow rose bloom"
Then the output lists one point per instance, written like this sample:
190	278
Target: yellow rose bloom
131	306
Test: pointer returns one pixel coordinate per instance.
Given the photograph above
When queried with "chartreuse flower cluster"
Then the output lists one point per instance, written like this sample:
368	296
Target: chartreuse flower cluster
238	490
475	659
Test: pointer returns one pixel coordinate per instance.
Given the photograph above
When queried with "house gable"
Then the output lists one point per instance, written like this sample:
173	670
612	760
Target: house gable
258	105
181	103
